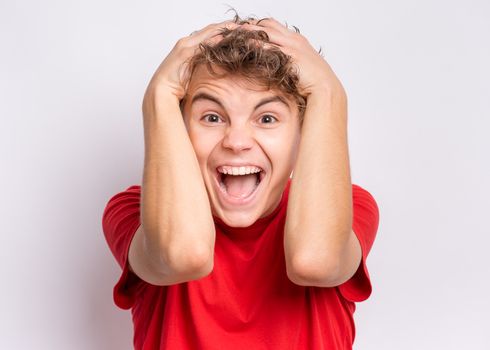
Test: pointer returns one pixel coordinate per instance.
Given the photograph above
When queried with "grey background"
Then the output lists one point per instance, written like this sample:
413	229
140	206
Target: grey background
72	77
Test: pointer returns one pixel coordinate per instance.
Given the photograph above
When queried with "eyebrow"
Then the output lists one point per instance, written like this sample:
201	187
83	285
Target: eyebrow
206	96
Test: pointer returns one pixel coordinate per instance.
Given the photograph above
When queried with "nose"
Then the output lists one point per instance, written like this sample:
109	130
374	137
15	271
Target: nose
238	138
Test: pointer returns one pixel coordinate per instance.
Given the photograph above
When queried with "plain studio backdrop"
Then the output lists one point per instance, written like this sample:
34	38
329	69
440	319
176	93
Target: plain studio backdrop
72	78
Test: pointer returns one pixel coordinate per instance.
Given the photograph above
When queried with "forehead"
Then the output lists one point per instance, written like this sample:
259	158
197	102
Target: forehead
236	87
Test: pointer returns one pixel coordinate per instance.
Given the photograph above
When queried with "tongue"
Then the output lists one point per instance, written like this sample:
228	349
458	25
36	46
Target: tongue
240	186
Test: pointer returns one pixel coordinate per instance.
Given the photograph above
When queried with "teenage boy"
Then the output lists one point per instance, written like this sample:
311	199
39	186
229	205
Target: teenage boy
224	246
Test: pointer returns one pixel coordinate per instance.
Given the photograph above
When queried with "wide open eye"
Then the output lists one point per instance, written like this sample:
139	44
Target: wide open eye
212	118
268	119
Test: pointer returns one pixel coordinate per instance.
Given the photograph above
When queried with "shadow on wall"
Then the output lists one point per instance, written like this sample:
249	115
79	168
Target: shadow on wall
110	326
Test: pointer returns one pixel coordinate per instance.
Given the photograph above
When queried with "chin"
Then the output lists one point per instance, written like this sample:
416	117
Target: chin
238	218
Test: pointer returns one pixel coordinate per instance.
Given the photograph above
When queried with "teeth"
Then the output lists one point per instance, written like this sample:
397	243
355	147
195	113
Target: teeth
242	170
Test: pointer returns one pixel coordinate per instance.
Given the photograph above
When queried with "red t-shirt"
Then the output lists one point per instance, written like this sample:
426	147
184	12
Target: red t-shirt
247	301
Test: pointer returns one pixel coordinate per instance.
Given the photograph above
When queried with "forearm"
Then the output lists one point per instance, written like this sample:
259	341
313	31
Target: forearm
176	214
319	215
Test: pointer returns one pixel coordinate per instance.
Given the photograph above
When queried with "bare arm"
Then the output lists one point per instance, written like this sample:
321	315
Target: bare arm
175	242
321	248
319	245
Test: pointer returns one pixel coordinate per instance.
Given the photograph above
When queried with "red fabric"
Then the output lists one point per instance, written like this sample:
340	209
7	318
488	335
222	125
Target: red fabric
247	302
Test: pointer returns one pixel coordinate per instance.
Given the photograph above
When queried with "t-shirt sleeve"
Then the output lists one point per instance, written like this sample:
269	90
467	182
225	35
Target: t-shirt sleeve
365	226
120	220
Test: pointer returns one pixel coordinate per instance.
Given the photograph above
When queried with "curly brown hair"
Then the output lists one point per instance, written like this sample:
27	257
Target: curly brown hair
242	53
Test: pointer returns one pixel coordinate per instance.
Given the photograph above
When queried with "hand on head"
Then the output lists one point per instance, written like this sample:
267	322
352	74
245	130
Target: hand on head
172	73
314	73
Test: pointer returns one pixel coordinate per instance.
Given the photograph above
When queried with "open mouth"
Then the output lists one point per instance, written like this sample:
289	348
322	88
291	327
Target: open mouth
239	183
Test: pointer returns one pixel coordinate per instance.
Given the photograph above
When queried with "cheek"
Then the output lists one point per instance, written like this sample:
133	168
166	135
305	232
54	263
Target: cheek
281	149
203	144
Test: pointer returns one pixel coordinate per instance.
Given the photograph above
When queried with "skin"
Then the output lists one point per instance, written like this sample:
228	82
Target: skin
169	248
320	247
234	131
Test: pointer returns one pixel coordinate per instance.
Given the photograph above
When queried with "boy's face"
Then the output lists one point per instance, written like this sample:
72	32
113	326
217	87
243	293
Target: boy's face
232	125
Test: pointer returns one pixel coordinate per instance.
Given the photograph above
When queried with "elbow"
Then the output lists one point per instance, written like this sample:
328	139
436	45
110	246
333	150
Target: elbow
194	262
310	271
180	266
201	263
166	263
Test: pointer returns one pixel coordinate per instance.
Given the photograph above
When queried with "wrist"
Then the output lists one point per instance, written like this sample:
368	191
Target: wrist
326	103
327	96
157	98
